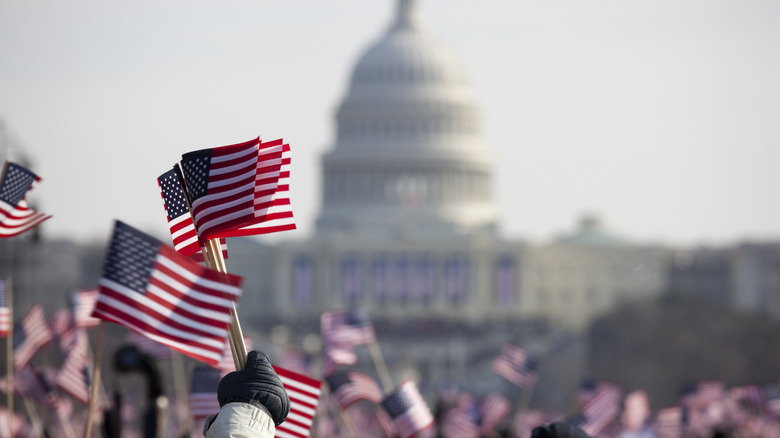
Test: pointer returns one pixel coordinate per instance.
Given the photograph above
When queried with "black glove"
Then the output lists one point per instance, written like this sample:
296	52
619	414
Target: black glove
256	384
558	430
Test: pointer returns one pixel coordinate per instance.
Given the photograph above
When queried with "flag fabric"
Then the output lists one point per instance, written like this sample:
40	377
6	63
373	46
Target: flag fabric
492	410
180	224
239	190
75	376
148	346
60	322
461	420
346	328
304	393
15	216
600	406
155	291
514	365
407	408
336	356
771	393
82	304
30	335
203	391
669	422
350	387
5	312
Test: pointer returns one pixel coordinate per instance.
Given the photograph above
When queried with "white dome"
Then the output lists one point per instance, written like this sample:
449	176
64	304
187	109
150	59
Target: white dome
408	153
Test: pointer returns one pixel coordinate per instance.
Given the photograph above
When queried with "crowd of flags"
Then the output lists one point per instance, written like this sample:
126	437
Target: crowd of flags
171	304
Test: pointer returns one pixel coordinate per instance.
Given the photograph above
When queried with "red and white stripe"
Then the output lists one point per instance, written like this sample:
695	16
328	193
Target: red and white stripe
304	393
185	306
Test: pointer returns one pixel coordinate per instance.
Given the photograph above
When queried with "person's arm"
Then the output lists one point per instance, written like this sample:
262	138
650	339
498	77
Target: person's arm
252	401
240	420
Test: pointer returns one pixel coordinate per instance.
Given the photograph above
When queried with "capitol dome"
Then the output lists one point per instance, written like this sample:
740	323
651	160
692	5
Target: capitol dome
407	156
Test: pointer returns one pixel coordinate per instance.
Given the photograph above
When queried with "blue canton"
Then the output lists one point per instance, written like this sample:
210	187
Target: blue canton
131	257
195	166
173	194
16	182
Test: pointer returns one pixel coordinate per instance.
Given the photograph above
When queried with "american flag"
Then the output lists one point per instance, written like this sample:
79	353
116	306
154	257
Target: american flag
5	312
749	396
492	410
30	336
600	406
407	408
148	346
239	190
203	391
183	234
514	365
461	421
669	422
346	328
349	387
155	291
336	356
75	376
83	303
15	216
304	393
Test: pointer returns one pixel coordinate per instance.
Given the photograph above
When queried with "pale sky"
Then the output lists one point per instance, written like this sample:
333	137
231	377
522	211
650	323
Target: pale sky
660	116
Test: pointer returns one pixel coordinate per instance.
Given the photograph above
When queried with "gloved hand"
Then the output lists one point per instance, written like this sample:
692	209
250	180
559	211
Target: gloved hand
256	384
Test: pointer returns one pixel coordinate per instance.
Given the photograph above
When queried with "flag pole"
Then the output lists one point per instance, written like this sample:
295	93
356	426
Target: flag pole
95	379
236	336
9	350
212	254
381	366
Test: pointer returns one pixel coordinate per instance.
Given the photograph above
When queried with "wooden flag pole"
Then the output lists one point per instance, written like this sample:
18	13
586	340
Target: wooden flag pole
381	367
236	336
95	379
212	254
9	350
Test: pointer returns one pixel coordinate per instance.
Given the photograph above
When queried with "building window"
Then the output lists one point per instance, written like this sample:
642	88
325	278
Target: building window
302	282
505	281
456	278
381	279
351	279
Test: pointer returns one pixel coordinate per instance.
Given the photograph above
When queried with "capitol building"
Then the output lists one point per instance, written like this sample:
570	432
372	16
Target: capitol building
409	223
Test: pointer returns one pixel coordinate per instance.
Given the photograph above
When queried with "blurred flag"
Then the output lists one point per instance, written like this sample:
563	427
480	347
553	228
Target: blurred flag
349	387
5	312
304	393
461	420
239	190
15	216
203	391
30	335
336	356
148	346
514	365
492	410
183	234
407	408
669	422
346	328
771	393
60	322
749	396
75	377
82	304
155	291
600	406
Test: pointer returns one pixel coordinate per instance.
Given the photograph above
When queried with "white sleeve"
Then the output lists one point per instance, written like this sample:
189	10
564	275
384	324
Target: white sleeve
241	420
